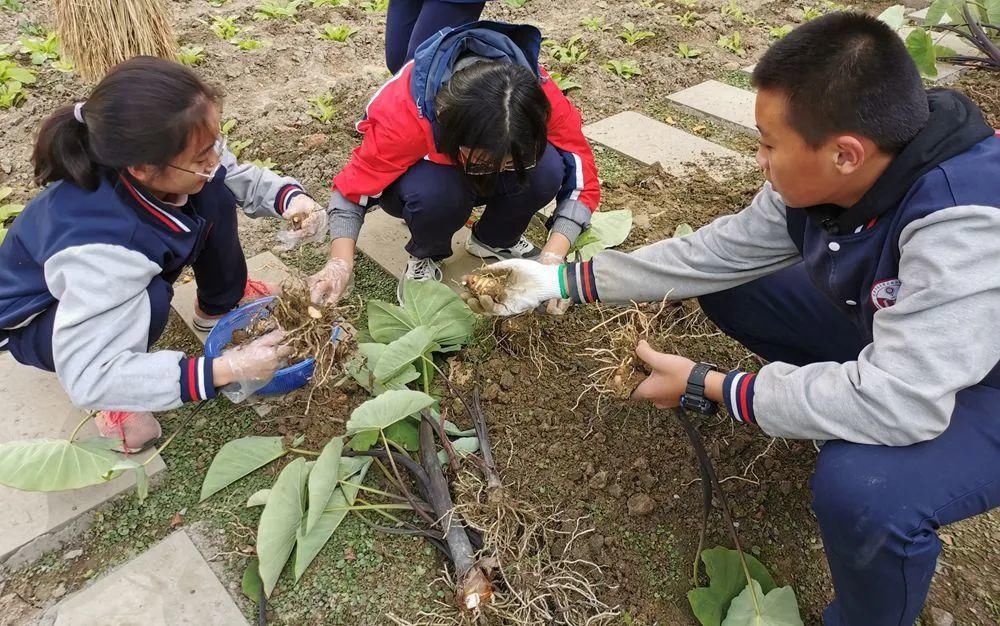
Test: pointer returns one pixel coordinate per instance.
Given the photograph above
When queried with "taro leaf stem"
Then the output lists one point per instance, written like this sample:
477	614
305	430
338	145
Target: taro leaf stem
181	427
305	452
708	468
86	418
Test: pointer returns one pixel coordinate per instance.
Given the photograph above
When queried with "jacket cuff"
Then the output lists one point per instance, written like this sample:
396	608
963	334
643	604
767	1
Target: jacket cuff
285	196
738	391
577	282
196	379
346	217
566	227
574	211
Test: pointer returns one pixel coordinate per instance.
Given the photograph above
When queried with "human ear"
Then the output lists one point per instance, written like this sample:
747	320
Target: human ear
142	173
849	154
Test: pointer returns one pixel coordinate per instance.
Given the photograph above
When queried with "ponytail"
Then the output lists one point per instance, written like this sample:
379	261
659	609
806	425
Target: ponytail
143	112
61	151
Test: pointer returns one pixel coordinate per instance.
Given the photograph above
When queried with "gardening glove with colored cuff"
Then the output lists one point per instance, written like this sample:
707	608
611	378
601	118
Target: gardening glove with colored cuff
253	364
555	306
528	284
307	222
329	284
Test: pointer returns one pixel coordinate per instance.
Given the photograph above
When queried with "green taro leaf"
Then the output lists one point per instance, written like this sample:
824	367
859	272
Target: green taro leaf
943	52
990	11
401	353
238	458
725	574
53	464
280	522
310	543
405	433
323	479
452	430
259	498
683	230
388	322
126	464
777	608
463	448
432	303
251	580
610	229
921	48
385	410
940	8
21	75
362	367
893	16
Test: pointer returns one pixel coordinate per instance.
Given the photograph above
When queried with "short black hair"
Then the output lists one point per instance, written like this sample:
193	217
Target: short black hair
498	108
847	72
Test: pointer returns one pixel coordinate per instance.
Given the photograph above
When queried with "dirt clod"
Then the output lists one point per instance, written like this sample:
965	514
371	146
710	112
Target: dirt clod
599	480
640	504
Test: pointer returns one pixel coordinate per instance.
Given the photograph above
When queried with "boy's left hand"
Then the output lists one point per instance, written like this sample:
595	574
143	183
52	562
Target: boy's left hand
308	222
665	386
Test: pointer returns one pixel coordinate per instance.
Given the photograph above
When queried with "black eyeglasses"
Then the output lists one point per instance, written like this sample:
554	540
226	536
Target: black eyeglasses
472	168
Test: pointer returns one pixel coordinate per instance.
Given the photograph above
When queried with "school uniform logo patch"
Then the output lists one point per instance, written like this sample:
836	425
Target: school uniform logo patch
884	292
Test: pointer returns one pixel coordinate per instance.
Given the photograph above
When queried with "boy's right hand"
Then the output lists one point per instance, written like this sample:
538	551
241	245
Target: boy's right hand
528	284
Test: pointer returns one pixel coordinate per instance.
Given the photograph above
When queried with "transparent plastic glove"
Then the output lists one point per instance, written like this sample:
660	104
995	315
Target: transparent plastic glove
528	284
329	284
306	223
253	364
555	306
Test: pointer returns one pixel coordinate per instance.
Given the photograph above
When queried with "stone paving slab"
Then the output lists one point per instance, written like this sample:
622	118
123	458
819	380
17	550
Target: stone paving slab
171	584
384	237
730	105
650	141
35	406
265	266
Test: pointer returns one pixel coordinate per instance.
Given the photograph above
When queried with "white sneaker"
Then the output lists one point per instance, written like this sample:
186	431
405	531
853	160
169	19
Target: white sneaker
419	269
523	249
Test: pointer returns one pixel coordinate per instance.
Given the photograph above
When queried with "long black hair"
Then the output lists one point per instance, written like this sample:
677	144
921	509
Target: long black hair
142	113
498	109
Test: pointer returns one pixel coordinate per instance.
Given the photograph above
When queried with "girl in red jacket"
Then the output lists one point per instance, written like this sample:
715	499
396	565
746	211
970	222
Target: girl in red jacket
472	120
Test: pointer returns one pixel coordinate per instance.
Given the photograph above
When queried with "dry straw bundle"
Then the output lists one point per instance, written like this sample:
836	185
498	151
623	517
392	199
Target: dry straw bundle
98	34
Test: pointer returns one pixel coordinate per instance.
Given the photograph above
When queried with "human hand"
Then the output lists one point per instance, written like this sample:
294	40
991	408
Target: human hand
257	360
668	380
328	285
555	306
307	223
525	285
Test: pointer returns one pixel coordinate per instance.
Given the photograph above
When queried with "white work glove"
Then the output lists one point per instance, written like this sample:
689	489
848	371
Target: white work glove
306	223
329	284
253	364
555	306
528	285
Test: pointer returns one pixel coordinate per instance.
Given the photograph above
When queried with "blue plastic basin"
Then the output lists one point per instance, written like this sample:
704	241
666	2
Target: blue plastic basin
286	379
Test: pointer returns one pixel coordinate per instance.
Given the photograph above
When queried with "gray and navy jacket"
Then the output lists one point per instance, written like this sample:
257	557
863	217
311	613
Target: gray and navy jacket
915	265
109	258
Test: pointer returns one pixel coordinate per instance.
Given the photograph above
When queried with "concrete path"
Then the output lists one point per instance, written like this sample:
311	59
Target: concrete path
35	406
168	585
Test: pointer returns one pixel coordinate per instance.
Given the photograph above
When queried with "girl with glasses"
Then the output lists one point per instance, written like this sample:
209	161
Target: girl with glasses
473	120
138	186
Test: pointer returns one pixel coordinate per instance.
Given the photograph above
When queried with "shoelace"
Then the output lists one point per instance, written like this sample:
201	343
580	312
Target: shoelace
117	418
423	269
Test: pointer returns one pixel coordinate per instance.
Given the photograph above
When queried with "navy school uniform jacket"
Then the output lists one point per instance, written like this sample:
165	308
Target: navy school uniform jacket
109	258
915	264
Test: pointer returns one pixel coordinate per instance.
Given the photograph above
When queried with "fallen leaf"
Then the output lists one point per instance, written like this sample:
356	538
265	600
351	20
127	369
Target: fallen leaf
947	539
670	121
349	554
176	520
314	313
700	128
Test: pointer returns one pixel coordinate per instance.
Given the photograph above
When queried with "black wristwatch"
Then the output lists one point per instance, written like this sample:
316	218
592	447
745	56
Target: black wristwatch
694	395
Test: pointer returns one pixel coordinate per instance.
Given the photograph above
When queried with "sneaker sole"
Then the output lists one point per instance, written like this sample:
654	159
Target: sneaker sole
203	326
482	252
